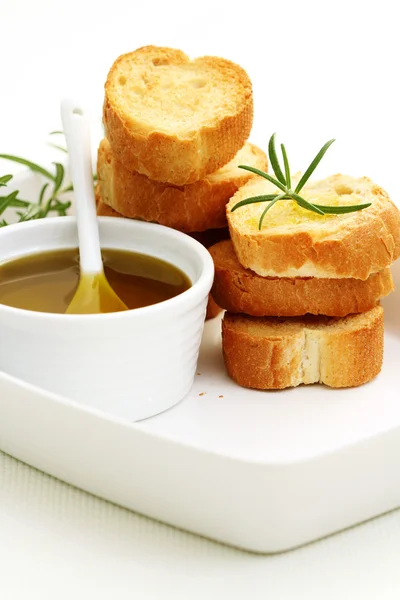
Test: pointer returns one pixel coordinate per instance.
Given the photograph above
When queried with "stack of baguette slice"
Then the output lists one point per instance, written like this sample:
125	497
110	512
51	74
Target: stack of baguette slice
302	294
176	131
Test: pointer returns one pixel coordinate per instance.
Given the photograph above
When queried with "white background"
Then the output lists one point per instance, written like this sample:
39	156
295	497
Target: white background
319	70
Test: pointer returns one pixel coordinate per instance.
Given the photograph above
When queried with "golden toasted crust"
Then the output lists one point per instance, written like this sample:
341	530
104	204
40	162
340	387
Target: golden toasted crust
207	238
102	209
173	119
294	242
240	290
272	353
195	207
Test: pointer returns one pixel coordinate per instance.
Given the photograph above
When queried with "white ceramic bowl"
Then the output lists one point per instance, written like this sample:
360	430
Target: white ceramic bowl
132	364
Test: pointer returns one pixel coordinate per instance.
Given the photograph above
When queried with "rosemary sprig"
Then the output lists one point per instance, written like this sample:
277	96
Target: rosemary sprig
49	200
283	182
43	206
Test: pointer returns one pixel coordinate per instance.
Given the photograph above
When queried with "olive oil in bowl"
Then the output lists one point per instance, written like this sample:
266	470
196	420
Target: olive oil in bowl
46	282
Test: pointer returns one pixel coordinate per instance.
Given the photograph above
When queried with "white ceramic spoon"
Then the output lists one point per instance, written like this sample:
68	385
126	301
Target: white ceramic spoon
94	294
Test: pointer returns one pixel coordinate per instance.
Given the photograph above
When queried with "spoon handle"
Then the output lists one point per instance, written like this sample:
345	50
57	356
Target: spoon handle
76	127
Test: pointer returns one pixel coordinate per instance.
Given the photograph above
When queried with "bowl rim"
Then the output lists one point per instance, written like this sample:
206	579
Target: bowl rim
196	290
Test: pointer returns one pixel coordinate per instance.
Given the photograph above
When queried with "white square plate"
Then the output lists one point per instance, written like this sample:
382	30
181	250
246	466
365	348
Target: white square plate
265	471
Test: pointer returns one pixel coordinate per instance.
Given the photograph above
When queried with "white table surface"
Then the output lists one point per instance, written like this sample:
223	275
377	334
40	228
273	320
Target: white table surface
319	69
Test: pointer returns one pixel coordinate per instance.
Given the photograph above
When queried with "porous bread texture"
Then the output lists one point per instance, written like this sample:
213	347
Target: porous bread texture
272	353
174	119
295	242
195	207
240	290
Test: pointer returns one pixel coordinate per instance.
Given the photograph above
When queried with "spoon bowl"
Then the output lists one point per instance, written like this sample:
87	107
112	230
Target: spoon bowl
94	295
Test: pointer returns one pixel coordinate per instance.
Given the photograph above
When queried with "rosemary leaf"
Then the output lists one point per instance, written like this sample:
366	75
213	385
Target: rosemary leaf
254	200
273	159
265	175
42	192
58	205
341	210
313	166
27	163
58	178
47	207
287	168
11	201
63	211
5	179
5	201
18	203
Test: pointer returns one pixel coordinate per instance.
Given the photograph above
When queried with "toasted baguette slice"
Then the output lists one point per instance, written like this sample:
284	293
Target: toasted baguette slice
272	353
207	238
240	290
173	119
195	207
295	242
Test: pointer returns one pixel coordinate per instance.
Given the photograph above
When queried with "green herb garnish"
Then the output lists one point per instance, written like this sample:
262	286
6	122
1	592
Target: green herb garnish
49	200
283	182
